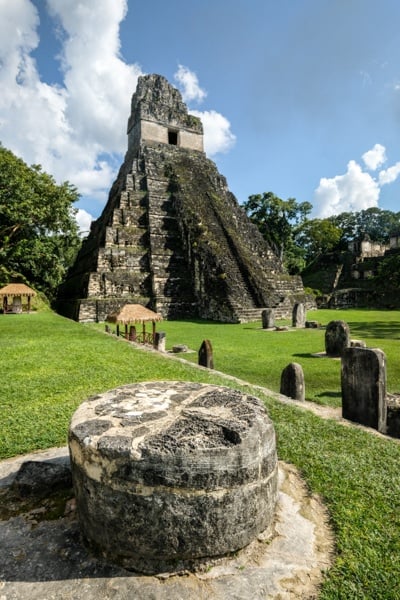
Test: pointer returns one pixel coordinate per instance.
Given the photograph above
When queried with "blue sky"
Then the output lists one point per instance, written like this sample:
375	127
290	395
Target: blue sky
297	97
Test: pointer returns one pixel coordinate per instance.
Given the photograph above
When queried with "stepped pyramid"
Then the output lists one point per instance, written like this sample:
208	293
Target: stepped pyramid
172	236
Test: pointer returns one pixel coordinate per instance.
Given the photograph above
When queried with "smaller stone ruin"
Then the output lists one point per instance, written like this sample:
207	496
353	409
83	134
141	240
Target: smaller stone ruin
206	355
268	318
337	338
364	396
170	474
292	382
363	381
298	315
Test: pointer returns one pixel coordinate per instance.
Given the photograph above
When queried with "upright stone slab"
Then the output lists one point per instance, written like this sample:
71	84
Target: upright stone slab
298	315
363	380
337	338
168	473
292	382
268	318
160	340
206	358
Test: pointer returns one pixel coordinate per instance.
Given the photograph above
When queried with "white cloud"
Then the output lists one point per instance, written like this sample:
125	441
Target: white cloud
67	128
217	132
353	191
190	88
217	129
83	219
77	129
375	157
389	175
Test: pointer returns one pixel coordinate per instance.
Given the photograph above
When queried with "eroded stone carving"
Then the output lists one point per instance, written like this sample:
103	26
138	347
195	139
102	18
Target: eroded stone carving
363	381
292	381
337	338
168	473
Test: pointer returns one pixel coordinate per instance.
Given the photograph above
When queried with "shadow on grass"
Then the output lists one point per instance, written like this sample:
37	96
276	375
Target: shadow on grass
328	395
377	329
319	354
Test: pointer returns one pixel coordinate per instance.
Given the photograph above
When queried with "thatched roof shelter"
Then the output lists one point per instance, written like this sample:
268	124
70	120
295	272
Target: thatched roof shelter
135	313
16	291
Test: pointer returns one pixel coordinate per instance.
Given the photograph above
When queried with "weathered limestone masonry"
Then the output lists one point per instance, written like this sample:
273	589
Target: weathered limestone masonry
167	474
172	236
363	382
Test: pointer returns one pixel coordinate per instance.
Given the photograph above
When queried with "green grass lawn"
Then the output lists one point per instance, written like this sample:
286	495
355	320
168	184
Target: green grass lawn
259	356
50	364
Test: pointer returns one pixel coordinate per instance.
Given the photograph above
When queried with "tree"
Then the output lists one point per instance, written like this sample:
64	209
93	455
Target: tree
277	219
389	272
318	236
377	223
38	231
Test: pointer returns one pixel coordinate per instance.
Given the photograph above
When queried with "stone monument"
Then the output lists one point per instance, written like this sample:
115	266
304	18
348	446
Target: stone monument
268	318
169	474
292	382
363	381
205	355
337	338
172	236
298	315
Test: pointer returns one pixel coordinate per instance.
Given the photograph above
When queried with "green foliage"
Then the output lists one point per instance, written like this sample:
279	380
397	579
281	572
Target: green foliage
318	236
378	224
299	241
38	232
278	220
389	271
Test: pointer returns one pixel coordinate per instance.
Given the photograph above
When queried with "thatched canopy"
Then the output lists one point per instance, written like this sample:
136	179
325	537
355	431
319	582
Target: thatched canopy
17	289
133	313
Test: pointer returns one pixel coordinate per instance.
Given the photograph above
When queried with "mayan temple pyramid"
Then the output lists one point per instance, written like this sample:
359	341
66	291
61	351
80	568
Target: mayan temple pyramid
172	236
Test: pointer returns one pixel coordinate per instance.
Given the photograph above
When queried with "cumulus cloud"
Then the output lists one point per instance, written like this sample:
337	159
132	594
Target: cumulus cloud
189	85
375	157
218	136
83	218
67	128
76	129
353	191
217	129
389	175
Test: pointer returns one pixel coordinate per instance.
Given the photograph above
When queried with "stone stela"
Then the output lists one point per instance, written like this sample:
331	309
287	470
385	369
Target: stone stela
337	338
292	382
363	382
206	357
268	318
298	315
168	474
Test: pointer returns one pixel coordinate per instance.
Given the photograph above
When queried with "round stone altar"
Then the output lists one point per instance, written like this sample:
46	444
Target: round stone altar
170	474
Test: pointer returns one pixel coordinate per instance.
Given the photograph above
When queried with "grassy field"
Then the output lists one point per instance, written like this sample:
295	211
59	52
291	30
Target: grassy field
259	356
49	365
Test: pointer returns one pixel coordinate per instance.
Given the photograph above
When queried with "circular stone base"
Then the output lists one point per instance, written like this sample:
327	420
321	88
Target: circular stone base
47	560
167	474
